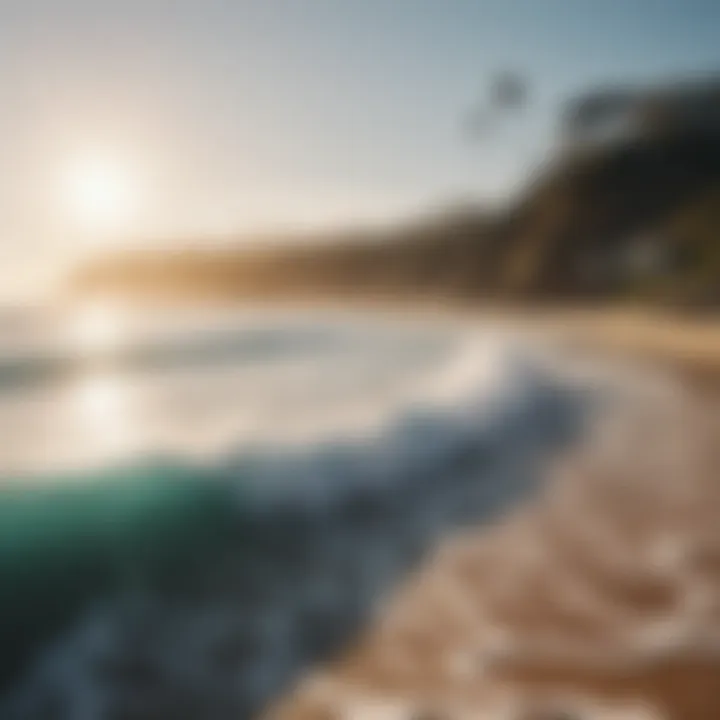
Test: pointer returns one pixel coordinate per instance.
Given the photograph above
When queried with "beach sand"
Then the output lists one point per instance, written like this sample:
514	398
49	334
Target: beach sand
599	598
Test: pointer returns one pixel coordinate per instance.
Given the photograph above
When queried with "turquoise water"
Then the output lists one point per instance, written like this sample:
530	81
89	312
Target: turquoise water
63	545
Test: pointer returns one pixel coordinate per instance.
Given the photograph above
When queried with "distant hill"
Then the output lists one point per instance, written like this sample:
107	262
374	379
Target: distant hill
635	216
609	222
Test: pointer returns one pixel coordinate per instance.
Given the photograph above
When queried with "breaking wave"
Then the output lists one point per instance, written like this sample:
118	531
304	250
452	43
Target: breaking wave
198	585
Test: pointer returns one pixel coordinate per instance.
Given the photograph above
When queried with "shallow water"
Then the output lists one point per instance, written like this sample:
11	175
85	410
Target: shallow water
195	508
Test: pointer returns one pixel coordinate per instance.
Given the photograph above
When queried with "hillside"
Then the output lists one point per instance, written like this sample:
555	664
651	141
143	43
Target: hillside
617	221
634	219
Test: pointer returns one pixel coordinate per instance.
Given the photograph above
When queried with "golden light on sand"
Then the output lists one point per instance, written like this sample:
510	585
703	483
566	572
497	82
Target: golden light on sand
101	194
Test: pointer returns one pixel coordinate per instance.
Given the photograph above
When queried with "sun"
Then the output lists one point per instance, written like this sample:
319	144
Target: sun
100	194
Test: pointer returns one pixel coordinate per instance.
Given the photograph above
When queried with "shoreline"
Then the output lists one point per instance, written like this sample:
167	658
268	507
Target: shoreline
598	600
574	604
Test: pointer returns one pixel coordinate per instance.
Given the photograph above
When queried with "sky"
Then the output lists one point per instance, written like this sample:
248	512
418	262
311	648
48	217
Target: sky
221	117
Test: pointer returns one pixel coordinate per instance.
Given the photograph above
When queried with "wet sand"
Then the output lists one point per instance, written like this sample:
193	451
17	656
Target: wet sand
598	599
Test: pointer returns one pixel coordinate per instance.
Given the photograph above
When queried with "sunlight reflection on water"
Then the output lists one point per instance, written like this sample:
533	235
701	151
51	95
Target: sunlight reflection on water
102	411
125	386
97	327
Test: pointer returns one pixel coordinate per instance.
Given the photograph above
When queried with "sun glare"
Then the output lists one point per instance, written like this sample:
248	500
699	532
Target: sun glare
101	194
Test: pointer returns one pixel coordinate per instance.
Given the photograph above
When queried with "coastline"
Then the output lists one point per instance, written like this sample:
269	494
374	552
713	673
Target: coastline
600	598
574	601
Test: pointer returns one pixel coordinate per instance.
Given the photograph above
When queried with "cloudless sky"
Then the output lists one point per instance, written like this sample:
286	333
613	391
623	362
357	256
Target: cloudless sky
243	114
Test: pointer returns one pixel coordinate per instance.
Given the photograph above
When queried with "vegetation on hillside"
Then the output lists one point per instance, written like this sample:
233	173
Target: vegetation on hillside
637	218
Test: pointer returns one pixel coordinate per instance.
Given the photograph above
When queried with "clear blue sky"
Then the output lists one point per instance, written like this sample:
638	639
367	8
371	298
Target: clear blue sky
250	113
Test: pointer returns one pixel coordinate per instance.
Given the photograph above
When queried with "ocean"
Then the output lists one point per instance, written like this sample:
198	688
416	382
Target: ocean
199	505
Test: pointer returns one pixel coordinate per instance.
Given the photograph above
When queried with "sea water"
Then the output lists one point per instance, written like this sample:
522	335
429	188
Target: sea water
196	506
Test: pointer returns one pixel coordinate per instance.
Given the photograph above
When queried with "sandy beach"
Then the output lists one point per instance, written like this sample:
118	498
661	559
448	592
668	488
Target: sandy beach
538	541
597	598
